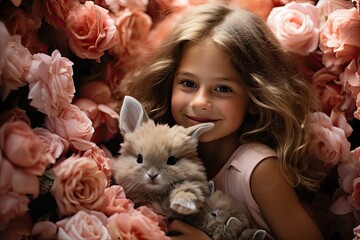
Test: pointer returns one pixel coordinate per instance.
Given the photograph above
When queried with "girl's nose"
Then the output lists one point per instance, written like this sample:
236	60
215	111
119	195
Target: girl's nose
201	100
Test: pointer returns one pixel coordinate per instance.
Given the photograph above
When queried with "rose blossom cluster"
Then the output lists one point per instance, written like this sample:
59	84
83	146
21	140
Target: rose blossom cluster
64	66
324	37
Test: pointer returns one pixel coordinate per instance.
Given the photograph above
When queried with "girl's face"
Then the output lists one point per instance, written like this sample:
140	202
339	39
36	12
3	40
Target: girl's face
207	88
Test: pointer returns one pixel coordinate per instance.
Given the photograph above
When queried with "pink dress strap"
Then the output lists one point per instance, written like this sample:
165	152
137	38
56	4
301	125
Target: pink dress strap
234	177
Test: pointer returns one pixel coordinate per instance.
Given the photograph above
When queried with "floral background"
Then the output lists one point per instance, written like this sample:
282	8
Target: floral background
64	65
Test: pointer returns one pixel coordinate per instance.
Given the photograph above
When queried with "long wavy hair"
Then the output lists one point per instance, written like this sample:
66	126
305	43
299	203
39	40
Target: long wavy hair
279	95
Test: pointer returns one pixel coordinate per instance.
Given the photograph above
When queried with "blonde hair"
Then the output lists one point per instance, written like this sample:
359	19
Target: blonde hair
280	97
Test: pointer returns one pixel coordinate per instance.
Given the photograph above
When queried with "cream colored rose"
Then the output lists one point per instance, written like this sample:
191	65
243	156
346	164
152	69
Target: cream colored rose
296	26
79	185
73	125
50	82
90	30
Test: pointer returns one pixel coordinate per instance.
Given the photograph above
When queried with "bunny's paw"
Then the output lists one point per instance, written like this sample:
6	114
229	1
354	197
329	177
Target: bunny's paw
184	204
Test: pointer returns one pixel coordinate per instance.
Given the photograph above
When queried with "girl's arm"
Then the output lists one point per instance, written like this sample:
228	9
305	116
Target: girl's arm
279	204
186	231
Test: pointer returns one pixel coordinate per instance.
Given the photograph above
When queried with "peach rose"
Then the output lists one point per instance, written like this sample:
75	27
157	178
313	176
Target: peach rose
100	158
78	185
115	201
133	26
50	82
339	39
73	125
13	115
12	205
116	5
23	148
55	145
83	225
328	143
90	30
296	26
17	64
134	226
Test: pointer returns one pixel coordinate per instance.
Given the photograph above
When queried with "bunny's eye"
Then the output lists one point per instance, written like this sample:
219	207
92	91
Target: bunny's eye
139	158
171	160
214	214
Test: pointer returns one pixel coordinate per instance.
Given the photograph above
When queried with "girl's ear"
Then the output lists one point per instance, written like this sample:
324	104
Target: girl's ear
196	130
132	115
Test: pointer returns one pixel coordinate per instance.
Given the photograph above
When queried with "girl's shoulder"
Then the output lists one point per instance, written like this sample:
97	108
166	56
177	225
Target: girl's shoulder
249	155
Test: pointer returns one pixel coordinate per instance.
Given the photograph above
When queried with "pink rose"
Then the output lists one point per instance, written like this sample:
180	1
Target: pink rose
51	83
357	112
100	158
55	145
115	201
356	232
79	185
338	120
84	225
149	213
134	226
13	115
326	85
355	195
328	143
90	30
12	205
17	64
339	39
296	26
133	26
116	5
23	148
73	125
327	7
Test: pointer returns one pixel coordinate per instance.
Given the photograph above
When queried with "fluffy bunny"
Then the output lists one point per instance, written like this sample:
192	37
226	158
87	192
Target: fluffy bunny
158	165
223	218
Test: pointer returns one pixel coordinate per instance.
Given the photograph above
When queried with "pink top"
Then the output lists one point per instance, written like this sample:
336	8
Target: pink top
234	178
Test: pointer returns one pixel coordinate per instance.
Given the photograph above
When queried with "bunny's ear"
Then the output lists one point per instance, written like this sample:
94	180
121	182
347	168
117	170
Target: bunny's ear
132	114
196	130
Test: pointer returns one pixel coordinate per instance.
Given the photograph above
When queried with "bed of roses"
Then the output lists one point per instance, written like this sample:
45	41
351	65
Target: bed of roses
63	72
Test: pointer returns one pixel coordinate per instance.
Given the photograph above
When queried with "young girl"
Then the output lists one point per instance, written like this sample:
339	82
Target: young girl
223	65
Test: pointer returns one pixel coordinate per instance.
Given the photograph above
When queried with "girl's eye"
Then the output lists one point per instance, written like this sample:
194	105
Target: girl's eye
171	160
139	158
223	89
188	84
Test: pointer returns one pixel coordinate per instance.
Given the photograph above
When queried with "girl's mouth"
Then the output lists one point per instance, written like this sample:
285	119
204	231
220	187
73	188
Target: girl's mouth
196	120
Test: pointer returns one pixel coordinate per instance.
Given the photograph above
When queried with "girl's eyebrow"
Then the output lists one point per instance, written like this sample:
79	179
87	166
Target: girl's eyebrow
188	74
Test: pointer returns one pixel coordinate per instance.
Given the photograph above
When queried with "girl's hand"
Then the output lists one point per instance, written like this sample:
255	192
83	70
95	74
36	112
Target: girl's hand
186	231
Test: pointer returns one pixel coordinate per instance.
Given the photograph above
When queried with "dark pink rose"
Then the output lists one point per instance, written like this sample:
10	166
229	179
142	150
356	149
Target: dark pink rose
51	84
55	145
44	230
90	30
18	228
6	173
97	91
57	11
79	185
